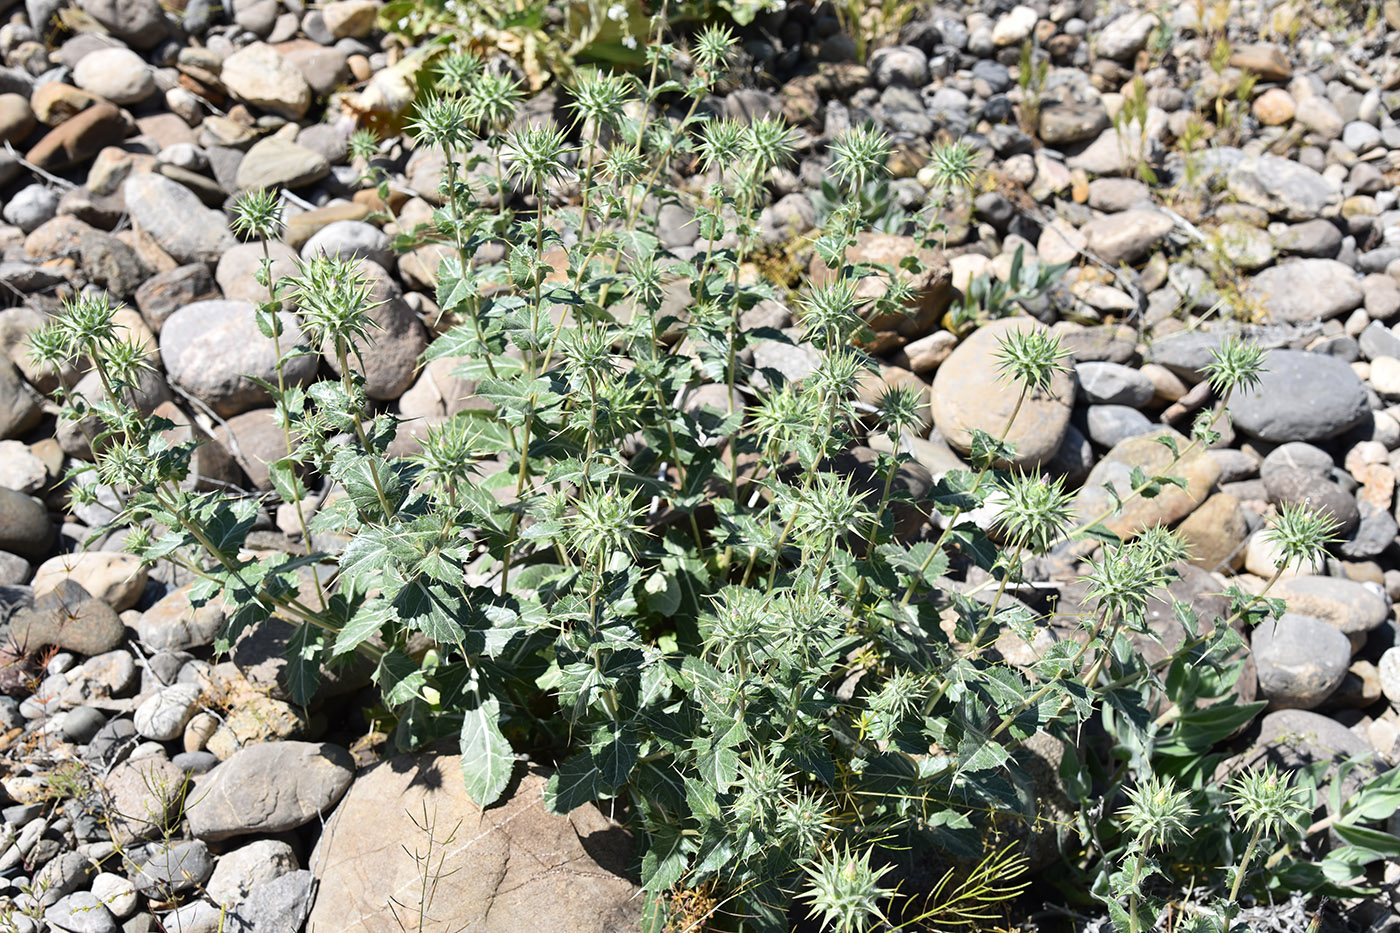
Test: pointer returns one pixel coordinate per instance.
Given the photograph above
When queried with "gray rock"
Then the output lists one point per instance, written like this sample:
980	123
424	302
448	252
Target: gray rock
1389	669
349	239
20	407
1298	455
1283	187
196	916
1187	353
141	24
1379	340
172	624
195	762
171	869
117	74
1376	531
1063	124
211	348
1306	290
62	876
31	207
269	788
1352	608
175	217
1360	137
237	268
1291	486
81	724
1109	424
1300	660
249	867
275	162
1127	237
1301	397
112	742
165	293
162	717
277	906
25	528
899	64
257	74
1104	383
81	912
1125	36
1317	238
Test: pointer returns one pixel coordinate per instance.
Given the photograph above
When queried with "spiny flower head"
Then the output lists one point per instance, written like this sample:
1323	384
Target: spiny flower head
1267	799
859	154
954	165
1301	534
713	47
1036	511
536	154
492	100
599	97
1235	364
442	123
844	891
721	142
258	214
901	409
1030	357
456	72
1157	812
768	142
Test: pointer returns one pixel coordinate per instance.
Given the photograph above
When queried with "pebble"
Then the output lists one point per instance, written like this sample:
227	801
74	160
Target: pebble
162	717
269	788
1300	660
211	348
1301	397
81	912
245	868
1389	668
968	395
175	218
118	75
1152	457
258	75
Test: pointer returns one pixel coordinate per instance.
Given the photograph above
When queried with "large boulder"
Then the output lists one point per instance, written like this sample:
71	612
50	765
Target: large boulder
512	868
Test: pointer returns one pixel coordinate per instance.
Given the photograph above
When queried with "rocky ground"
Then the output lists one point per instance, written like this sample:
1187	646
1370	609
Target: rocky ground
149	784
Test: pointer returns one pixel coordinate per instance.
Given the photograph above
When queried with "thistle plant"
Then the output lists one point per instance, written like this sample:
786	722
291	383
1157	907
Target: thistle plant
687	583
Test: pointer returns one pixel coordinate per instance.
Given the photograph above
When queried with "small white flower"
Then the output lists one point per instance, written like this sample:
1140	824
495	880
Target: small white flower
617	13
630	41
478	30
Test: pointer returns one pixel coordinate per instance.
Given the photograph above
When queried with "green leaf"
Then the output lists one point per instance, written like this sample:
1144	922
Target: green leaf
285	480
399	677
487	759
618	757
1384	845
304	663
1198	730
573	785
719	767
918	561
364	624
228	525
